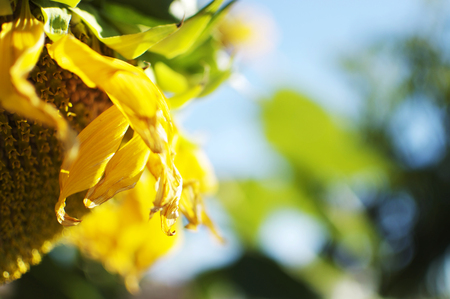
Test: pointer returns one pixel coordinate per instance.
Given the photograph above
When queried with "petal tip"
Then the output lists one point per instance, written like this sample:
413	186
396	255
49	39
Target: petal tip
67	220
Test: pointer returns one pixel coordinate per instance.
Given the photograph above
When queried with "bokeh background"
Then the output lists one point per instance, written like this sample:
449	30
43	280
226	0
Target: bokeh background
331	144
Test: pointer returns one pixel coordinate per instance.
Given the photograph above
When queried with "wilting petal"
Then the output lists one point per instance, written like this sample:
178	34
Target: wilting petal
169	188
169	183
193	208
189	203
98	143
121	236
121	173
128	87
198	178
21	43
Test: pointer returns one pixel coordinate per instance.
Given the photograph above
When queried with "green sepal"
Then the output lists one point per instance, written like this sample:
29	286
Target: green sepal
181	99
168	79
181	41
217	18
56	18
135	22
129	46
215	81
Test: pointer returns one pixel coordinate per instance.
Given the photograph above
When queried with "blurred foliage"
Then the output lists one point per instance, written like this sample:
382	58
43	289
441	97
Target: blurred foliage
381	188
308	137
252	276
66	274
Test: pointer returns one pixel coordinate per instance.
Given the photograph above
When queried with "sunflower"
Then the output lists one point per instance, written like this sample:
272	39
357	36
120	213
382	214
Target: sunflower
81	118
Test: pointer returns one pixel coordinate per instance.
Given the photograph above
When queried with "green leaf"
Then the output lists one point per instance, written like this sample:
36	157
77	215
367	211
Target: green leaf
159	9
250	202
216	19
134	21
56	18
129	46
168	79
182	40
215	81
181	99
308	137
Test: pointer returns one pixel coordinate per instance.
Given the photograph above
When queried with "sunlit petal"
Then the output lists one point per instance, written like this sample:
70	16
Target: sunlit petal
98	143
121	173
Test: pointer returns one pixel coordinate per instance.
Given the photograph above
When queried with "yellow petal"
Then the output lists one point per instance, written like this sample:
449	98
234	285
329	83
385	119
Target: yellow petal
98	143
121	173
127	86
189	203
193	208
21	43
169	185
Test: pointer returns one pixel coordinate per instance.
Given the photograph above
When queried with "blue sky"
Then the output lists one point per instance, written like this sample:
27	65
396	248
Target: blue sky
313	35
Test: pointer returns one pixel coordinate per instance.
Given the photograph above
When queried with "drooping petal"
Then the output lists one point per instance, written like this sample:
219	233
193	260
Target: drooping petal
127	86
98	143
21	43
121	173
169	184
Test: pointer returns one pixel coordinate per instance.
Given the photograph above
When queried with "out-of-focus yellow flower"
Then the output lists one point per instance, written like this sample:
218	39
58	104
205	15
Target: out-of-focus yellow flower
121	236
249	29
67	86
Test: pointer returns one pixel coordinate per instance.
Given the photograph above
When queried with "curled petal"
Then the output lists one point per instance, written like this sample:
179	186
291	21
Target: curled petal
193	208
98	143
169	188
121	173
